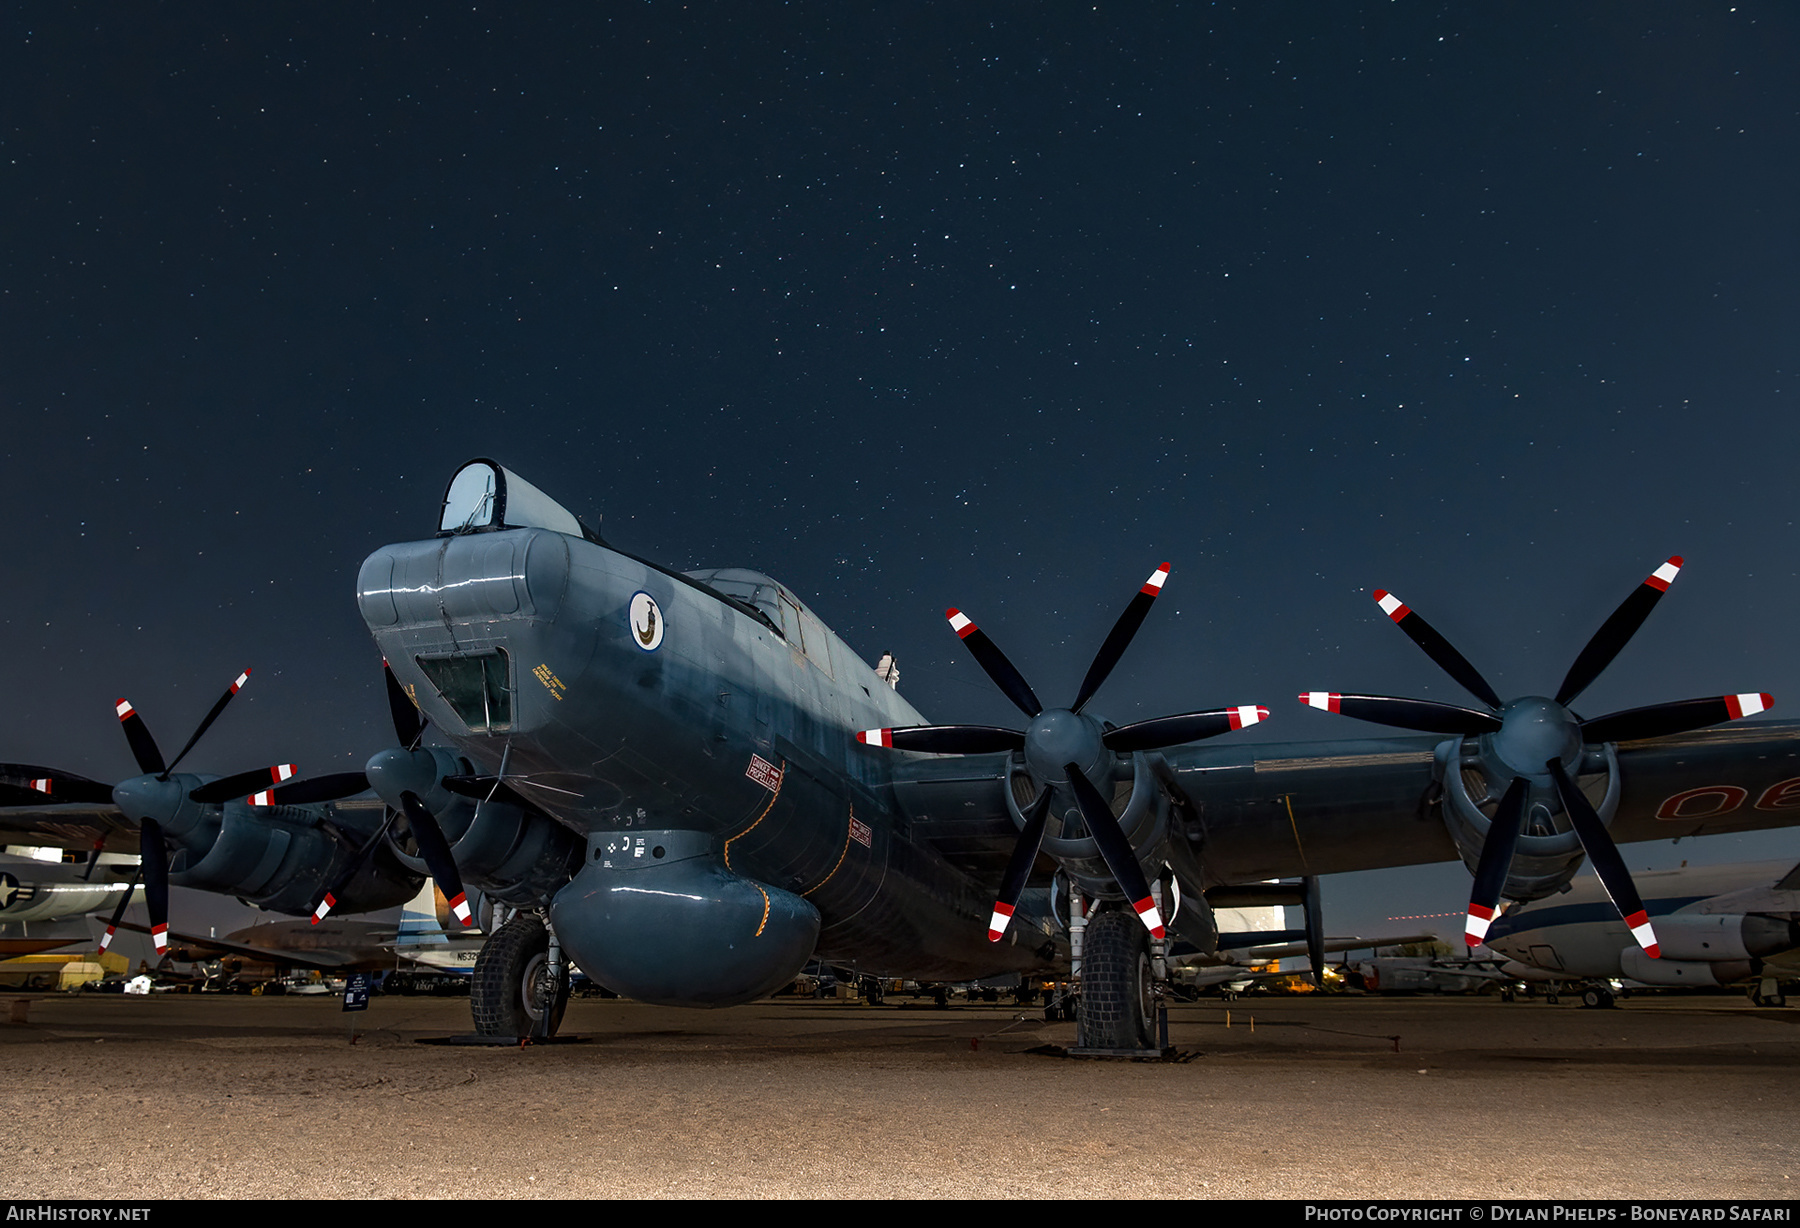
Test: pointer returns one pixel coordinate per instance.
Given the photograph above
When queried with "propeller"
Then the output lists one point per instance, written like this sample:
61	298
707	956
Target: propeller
1065	749
434	849
1535	738
142	798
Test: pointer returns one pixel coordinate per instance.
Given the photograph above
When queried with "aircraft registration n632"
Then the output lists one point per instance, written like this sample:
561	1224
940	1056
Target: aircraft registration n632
686	784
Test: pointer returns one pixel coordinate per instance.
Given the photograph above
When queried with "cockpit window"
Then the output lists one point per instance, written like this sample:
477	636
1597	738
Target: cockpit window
745	587
476	685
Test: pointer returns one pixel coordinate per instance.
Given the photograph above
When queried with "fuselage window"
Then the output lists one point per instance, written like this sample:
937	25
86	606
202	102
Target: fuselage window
476	685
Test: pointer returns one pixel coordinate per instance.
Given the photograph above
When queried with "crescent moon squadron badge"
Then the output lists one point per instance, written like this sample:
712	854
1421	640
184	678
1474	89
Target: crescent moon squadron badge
646	622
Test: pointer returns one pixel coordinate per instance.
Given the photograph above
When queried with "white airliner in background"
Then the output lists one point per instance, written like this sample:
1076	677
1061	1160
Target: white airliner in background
1717	925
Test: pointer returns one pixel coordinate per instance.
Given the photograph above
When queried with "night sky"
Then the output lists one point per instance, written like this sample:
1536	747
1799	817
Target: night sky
976	305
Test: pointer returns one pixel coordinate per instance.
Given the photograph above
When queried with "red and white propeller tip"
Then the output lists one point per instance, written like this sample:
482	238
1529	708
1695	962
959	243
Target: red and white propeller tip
1152	918
1748	704
278	773
1391	605
1324	701
124	709
460	907
1639	925
1246	714
1476	927
324	908
1157	579
961	623
159	934
875	737
1663	576
1003	914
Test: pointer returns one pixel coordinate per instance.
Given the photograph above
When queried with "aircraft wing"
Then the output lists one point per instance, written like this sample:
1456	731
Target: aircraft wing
74	827
1297	950
321	959
1255	811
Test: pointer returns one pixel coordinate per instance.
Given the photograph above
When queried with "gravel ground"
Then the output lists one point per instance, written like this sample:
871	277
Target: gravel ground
185	1097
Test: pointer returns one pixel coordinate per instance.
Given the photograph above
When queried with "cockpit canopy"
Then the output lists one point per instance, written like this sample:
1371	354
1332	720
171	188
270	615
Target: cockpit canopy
483	495
783	611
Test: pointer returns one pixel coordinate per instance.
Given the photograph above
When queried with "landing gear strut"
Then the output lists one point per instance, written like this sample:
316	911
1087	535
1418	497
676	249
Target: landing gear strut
521	987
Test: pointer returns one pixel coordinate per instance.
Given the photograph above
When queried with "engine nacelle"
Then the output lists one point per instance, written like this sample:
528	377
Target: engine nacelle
1722	937
1640	967
658	916
506	852
1545	860
283	858
1144	822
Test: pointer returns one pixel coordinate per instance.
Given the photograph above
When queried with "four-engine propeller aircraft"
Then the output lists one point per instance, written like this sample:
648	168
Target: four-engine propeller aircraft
695	736
664	772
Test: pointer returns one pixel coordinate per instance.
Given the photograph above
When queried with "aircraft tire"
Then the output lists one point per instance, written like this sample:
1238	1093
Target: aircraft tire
1116	985
503	993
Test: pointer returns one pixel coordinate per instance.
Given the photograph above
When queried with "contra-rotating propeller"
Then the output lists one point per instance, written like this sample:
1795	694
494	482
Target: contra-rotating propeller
1065	748
1540	741
434	849
143	799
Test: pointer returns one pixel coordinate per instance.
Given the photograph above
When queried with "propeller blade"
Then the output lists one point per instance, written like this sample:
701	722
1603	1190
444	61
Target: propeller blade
1116	850
991	659
1119	638
112	927
87	875
227	787
143	746
210	718
328	901
1436	647
434	850
945	739
155	866
32	795
1678	717
409	722
1188	727
1609	867
1018	869
1617	631
332	788
48	784
1421	715
1496	860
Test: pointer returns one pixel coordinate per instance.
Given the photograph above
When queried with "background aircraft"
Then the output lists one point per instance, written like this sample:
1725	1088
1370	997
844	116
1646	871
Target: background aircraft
1719	925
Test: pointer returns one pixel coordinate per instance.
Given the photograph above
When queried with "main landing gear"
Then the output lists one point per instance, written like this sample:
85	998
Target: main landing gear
1117	1009
521	983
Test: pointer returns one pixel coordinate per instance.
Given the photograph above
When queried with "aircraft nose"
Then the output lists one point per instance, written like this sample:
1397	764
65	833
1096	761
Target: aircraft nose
477	577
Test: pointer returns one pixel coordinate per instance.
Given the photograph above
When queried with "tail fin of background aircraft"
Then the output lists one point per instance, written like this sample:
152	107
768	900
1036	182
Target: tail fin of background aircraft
419	924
